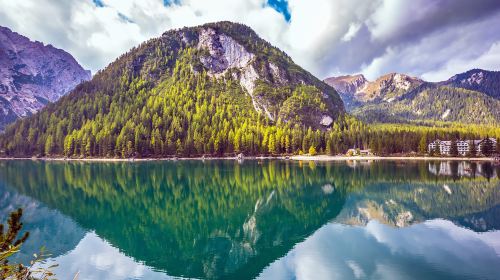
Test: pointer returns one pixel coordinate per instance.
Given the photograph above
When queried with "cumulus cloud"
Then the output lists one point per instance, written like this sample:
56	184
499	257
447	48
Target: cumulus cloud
433	39
94	258
333	252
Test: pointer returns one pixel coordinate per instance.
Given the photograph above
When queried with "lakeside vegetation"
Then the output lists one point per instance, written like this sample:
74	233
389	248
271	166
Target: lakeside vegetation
249	134
12	238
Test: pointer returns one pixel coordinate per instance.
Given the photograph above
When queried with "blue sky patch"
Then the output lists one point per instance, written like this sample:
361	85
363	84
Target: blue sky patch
169	2
98	3
125	18
280	6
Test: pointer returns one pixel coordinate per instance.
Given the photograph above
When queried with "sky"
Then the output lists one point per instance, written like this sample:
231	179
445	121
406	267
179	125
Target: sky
430	39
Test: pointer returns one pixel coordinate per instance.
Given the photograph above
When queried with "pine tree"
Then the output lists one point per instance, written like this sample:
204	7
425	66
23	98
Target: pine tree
49	145
11	244
328	149
312	151
422	146
453	148
472	149
487	147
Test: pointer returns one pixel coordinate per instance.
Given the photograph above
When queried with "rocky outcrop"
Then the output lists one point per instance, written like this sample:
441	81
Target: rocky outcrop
356	90
348	87
349	84
487	82
33	74
222	53
225	54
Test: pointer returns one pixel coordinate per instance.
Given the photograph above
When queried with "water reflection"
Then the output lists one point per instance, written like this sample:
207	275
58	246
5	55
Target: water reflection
223	219
94	258
457	169
47	227
435	249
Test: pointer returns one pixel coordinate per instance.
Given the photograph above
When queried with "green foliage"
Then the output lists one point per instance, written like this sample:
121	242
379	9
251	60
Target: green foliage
453	148
472	149
304	106
422	146
158	100
487	147
10	244
312	151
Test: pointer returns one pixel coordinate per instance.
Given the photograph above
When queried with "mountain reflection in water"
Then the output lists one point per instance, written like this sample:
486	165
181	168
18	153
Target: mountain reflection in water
267	219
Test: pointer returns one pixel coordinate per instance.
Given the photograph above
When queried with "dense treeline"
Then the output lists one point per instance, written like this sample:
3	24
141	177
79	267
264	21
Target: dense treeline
478	80
194	115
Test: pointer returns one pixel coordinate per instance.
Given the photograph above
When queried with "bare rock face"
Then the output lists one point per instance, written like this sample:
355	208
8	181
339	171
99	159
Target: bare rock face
349	84
356	90
223	54
33	74
226	54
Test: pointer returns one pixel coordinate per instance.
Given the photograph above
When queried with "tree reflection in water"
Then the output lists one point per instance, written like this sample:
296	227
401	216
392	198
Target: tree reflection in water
224	219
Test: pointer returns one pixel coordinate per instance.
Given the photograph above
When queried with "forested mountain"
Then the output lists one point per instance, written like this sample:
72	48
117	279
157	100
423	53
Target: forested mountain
33	74
487	82
471	97
212	89
434	103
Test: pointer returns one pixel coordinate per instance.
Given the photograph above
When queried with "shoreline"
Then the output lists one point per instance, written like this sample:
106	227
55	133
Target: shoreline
423	158
319	158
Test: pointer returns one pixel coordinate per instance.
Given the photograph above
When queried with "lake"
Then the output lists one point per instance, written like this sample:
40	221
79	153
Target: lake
271	219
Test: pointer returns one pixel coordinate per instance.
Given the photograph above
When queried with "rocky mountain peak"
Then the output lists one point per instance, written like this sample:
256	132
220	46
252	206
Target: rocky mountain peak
469	77
356	89
33	74
218	76
480	80
348	84
260	68
396	81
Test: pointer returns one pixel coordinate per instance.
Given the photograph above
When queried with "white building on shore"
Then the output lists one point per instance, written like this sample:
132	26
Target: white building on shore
463	146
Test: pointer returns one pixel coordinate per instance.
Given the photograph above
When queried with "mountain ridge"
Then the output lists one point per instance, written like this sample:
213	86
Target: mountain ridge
33	74
469	97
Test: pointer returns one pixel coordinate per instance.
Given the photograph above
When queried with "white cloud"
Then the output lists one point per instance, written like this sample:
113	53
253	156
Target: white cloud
323	36
379	251
490	60
94	258
351	32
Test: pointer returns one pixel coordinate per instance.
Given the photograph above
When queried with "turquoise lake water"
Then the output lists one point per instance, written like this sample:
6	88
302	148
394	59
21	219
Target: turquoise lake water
273	219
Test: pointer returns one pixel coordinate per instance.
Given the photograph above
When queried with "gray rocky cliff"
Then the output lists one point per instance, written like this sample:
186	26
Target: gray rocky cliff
33	74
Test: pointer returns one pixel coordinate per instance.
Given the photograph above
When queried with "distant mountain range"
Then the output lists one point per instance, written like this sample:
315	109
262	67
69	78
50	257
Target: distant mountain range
470	97
33	74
